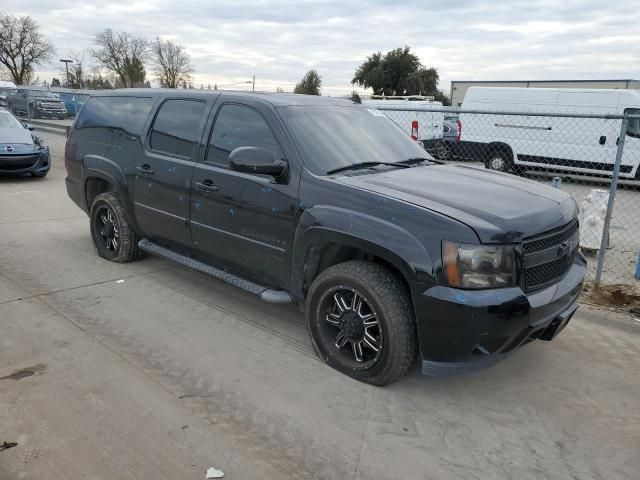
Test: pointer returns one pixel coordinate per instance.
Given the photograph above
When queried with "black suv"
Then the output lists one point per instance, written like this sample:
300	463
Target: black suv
328	204
37	104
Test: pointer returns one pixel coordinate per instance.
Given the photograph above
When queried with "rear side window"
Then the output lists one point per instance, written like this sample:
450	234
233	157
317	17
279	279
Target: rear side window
239	126
125	113
176	127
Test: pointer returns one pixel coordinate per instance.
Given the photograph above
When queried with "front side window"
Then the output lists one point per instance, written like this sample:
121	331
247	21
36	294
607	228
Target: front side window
239	126
176	127
633	125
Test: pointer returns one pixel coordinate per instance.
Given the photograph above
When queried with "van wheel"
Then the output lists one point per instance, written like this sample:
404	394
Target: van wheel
111	232
446	153
498	161
361	322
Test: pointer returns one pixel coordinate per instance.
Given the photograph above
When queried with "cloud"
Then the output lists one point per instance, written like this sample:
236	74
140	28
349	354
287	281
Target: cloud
278	40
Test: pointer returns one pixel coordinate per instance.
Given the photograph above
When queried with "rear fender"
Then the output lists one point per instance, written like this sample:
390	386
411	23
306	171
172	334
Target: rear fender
95	166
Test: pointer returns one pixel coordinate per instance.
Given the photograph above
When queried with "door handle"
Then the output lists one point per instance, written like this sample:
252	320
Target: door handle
145	169
603	140
206	186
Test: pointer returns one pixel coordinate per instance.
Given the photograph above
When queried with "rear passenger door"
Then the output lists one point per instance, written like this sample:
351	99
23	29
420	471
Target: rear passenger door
163	171
242	220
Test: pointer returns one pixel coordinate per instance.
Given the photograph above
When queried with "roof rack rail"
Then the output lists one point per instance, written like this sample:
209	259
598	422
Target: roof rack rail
409	98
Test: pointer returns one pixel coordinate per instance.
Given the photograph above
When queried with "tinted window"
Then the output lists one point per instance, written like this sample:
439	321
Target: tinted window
333	136
126	113
176	126
633	127
238	126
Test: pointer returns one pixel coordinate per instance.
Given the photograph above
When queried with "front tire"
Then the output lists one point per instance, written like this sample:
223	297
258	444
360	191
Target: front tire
361	322
111	231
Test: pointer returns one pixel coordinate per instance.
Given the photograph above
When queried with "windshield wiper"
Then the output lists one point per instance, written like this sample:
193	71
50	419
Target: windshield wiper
413	160
355	166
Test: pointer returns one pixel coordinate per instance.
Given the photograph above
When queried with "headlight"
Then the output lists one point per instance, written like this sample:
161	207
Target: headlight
478	266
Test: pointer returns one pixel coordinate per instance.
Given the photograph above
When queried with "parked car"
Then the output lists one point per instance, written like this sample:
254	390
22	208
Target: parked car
6	89
570	144
327	204
451	131
21	152
37	104
423	123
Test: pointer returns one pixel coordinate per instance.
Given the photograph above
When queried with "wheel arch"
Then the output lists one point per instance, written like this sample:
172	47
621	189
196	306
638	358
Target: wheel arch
499	147
99	175
318	247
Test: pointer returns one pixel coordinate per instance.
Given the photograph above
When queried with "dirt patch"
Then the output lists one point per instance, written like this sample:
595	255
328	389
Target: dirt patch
24	372
621	296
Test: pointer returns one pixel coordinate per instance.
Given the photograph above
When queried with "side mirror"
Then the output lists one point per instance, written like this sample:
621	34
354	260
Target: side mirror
28	126
257	160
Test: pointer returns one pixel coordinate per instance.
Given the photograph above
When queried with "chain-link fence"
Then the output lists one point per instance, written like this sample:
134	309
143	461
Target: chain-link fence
45	102
593	157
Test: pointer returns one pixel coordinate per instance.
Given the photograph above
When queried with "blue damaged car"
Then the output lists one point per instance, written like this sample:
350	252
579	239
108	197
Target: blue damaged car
21	151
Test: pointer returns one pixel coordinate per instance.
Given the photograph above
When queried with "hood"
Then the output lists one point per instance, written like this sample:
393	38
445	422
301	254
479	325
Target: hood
14	136
44	98
498	207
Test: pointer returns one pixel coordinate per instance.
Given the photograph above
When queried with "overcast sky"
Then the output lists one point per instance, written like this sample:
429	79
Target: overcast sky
278	40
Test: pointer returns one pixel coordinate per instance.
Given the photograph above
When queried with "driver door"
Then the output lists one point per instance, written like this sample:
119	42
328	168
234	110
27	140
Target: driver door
243	221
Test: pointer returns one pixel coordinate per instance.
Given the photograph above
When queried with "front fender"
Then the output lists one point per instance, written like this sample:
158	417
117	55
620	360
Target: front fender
320	226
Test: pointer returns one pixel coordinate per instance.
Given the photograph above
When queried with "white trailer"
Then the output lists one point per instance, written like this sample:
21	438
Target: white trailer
418	116
570	144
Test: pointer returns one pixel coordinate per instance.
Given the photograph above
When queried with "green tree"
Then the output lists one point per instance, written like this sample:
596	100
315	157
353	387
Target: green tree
136	72
310	84
123	54
398	72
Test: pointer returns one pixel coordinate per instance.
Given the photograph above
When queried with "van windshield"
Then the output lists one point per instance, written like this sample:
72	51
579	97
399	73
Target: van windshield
330	137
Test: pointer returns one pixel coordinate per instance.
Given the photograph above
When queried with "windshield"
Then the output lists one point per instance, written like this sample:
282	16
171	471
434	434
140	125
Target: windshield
8	91
331	137
9	121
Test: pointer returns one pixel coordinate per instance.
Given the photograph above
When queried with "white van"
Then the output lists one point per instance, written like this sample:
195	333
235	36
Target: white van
570	144
424	123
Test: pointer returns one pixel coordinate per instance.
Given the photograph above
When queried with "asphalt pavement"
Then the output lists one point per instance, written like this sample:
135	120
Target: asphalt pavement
150	370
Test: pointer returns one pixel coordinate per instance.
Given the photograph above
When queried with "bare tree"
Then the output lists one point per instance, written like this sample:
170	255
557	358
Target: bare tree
123	54
22	47
171	63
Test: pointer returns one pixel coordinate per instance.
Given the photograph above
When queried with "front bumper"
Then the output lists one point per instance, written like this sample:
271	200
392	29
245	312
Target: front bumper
50	112
464	330
38	163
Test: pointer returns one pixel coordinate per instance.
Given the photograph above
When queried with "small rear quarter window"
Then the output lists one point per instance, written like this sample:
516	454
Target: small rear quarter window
126	113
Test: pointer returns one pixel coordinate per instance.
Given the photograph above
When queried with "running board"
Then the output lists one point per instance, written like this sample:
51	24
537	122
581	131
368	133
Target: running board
266	294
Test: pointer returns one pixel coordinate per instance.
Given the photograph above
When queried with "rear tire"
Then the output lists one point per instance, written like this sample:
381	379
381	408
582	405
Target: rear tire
498	162
361	322
111	231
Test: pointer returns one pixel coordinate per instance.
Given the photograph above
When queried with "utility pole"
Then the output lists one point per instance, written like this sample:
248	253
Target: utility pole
66	64
253	87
